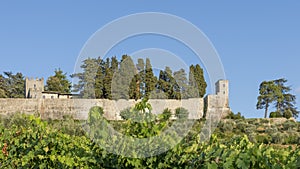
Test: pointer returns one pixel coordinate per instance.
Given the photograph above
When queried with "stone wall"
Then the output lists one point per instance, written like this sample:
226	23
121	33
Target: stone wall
79	108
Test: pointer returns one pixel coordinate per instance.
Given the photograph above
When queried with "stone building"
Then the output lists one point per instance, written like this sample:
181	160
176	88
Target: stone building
218	104
34	87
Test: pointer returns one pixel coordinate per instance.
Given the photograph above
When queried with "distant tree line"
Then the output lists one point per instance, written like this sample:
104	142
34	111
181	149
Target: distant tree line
113	79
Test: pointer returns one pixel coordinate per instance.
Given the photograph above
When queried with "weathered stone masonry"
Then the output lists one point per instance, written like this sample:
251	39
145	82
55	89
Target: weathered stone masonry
79	108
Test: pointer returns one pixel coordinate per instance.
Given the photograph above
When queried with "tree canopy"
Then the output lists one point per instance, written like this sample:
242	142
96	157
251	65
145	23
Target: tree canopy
58	82
113	79
12	85
276	92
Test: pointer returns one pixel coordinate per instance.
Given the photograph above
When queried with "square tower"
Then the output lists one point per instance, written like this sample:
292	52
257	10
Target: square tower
34	87
222	90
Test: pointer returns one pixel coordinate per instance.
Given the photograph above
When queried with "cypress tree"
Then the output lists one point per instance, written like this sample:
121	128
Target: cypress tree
199	77
150	79
99	85
122	78
197	84
181	85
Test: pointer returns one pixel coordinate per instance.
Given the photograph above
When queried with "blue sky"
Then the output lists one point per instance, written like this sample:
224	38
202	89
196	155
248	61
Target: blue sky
256	40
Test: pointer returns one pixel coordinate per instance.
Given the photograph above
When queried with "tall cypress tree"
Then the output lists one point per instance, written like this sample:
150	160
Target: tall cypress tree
122	78
150	79
134	88
197	83
181	85
199	77
107	83
166	83
141	76
99	85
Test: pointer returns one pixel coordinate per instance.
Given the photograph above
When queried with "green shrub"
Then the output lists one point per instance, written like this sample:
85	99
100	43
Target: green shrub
181	113
231	115
289	125
263	138
165	115
275	114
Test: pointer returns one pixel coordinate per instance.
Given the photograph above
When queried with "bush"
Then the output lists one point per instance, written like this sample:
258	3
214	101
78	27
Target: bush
287	114
275	114
289	125
165	115
231	115
263	138
181	113
277	138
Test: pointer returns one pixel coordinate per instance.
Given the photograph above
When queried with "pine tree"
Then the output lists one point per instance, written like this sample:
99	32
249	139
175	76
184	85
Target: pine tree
15	85
284	101
58	82
267	96
86	79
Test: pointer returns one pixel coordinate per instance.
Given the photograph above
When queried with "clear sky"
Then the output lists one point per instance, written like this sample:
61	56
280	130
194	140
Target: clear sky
256	40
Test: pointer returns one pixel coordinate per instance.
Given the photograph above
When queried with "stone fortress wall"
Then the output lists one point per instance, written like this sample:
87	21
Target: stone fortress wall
79	108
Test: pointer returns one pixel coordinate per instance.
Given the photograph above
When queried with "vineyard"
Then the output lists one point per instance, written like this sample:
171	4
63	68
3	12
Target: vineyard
27	141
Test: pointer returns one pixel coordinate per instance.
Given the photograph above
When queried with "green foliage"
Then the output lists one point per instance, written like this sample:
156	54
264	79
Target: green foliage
276	91
275	114
86	79
166	115
28	142
58	82
3	87
112	79
231	115
150	79
12	85
139	112
197	84
181	113
122	78
267	91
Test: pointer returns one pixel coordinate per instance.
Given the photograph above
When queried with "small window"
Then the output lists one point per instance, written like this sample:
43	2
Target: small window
223	85
34	85
224	92
44	97
52	97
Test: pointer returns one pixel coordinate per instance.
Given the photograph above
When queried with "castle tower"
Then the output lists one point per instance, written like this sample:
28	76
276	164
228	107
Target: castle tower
217	105
222	90
34	87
